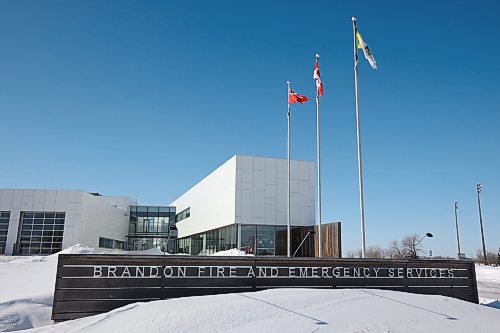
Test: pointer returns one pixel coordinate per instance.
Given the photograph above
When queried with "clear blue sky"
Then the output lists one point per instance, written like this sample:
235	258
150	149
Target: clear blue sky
146	98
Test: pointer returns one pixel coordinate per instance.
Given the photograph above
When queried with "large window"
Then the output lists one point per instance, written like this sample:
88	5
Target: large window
183	215
260	240
248	236
41	232
4	227
152	227
111	243
209	242
266	240
281	232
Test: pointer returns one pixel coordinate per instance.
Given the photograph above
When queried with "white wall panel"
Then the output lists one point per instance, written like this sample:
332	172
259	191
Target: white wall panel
211	201
100	218
259	180
258	204
273	179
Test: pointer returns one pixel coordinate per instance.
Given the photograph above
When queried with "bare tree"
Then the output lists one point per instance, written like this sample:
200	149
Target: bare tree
412	246
491	257
408	248
375	252
371	252
396	250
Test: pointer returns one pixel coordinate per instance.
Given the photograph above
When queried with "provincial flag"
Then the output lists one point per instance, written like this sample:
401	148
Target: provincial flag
366	50
317	77
293	97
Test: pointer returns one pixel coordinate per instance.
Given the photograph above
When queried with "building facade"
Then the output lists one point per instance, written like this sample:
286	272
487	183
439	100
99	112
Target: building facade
152	227
243	204
46	221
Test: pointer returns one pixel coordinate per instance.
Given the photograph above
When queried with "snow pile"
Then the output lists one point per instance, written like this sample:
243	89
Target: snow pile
77	249
27	288
231	253
294	310
488	284
154	251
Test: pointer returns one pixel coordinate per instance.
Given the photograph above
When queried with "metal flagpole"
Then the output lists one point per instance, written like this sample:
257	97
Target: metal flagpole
319	171
360	172
288	187
456	225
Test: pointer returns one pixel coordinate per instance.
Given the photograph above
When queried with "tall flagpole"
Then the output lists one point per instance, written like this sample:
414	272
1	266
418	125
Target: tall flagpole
319	170
360	172
288	187
456	225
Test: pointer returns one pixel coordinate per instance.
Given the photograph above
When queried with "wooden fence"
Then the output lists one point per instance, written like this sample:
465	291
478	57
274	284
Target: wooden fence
92	284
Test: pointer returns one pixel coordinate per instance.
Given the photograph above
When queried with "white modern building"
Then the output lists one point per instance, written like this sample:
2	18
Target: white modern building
45	221
243	204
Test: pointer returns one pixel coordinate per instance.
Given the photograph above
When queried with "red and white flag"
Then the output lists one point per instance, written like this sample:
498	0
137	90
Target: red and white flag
293	97
317	77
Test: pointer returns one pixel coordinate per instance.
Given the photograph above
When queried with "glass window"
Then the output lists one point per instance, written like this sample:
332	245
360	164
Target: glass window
105	242
4	227
281	242
40	240
248	237
265	240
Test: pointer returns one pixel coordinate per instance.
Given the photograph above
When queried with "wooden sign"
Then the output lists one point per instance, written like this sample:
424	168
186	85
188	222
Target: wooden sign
92	284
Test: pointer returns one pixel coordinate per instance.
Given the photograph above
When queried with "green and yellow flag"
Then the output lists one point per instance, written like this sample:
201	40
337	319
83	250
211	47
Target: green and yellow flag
366	50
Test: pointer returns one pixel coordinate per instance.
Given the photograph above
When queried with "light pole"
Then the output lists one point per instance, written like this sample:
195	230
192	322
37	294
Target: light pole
456	225
310	232
479	188
428	234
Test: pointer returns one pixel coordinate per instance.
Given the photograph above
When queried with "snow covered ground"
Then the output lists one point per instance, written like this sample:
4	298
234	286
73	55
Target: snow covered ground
27	286
488	285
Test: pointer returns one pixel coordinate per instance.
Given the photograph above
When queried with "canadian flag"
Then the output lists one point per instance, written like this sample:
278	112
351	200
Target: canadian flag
317	77
293	97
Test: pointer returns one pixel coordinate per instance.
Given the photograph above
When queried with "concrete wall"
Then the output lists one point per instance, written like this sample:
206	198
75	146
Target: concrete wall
261	191
87	217
211	201
102	217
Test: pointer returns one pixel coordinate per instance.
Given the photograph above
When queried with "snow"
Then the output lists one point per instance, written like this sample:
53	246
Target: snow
232	253
488	284
27	287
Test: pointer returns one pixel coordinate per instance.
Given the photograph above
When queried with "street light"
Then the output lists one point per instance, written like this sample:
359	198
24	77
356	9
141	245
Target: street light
309	232
428	234
479	188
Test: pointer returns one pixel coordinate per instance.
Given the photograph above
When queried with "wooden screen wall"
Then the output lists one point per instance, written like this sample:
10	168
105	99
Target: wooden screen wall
330	240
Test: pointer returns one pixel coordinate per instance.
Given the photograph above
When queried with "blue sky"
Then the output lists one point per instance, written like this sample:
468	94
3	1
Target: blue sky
146	98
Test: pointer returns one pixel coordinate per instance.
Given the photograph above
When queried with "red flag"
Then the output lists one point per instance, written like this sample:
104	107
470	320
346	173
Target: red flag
317	77
293	97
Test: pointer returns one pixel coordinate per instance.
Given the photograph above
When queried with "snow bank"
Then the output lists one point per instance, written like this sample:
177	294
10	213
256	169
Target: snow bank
77	249
488	284
27	288
294	310
232	253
